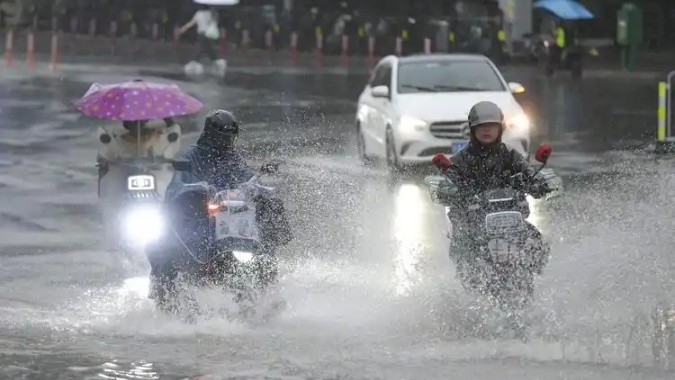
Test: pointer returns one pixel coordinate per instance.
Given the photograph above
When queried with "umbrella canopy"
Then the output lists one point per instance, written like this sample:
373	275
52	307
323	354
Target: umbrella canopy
136	100
565	9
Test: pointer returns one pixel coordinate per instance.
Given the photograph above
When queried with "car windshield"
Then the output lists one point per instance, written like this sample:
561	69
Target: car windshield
447	76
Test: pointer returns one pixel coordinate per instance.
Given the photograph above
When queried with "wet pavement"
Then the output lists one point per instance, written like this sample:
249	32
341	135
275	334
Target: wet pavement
371	291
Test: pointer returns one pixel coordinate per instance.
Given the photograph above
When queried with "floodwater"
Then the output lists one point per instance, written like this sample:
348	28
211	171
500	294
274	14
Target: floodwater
371	292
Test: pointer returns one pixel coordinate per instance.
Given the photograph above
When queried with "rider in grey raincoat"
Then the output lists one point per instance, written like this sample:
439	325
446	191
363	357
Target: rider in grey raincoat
487	163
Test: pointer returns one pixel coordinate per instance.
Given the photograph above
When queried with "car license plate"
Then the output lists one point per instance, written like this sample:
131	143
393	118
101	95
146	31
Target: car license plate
458	145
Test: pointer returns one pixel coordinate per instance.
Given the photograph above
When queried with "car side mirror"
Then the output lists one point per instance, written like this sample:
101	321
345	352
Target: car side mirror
181	166
380	92
516	88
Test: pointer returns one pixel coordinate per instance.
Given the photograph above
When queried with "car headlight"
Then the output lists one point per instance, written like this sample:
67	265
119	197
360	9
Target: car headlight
243	257
143	225
519	122
411	124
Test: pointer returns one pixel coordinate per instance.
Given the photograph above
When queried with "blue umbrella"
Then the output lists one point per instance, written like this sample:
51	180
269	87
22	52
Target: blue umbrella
565	9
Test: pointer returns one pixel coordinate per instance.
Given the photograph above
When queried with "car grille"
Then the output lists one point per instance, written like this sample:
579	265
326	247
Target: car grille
450	129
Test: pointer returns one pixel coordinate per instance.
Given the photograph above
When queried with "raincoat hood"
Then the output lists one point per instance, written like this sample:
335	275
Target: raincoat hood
221	130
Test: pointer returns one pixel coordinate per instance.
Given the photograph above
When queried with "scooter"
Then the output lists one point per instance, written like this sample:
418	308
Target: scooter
132	208
230	245
506	250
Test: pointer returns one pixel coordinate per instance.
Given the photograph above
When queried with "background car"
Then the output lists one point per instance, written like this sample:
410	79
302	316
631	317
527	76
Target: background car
415	107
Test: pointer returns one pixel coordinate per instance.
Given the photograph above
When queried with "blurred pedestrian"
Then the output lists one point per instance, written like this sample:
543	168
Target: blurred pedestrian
208	34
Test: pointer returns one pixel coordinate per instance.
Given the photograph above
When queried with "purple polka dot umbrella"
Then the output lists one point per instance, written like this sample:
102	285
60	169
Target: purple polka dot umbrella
136	100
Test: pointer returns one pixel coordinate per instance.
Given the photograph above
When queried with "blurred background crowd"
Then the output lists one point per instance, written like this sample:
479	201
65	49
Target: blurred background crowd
490	27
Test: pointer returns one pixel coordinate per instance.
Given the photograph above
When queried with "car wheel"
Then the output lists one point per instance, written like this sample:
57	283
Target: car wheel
361	145
392	156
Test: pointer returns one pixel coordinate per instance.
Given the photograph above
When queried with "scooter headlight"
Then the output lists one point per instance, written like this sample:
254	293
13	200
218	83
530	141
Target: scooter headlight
144	225
243	257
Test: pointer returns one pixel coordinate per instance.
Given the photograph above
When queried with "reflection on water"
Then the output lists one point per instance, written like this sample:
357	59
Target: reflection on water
119	300
536	217
137	287
408	230
140	370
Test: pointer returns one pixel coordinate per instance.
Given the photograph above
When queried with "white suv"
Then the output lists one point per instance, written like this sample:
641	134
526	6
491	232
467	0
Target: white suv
415	107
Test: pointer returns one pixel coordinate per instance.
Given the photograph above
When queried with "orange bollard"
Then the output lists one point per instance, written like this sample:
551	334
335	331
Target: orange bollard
155	31
319	50
223	42
344	56
54	57
74	24
245	40
30	50
269	40
9	48
92	28
113	36
371	50
294	47
427	46
269	43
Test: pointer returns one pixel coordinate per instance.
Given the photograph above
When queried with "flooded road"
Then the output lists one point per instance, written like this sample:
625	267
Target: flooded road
371	292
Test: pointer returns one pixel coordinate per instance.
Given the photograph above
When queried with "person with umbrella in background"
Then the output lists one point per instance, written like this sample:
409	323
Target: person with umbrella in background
158	138
563	51
135	160
208	34
144	112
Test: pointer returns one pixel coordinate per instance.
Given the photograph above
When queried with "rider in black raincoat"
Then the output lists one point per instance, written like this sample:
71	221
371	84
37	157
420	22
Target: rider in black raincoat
486	163
215	161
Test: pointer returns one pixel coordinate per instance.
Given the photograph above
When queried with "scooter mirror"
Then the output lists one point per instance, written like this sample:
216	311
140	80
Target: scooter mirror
543	153
441	162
